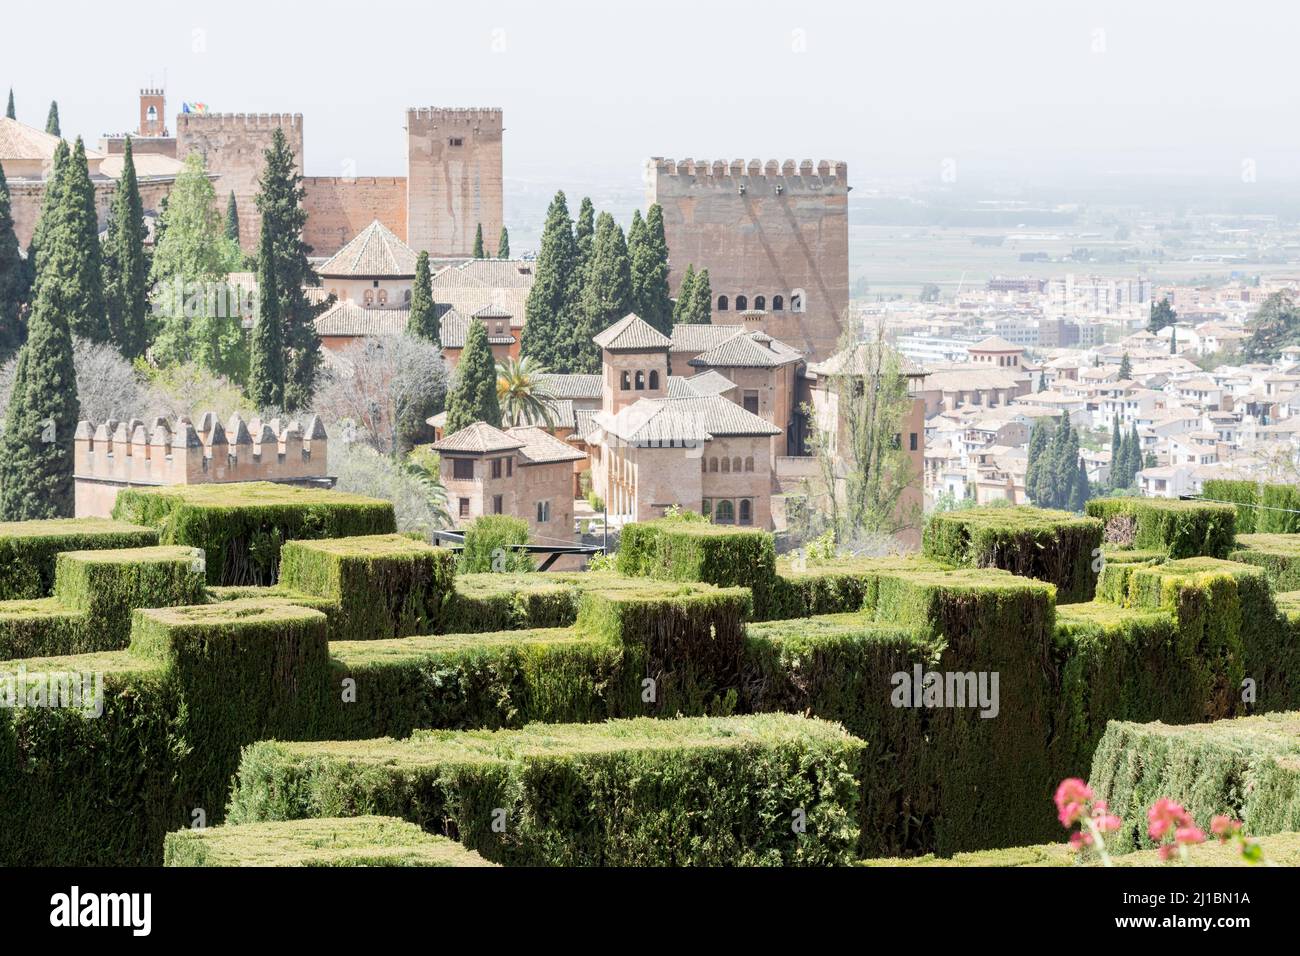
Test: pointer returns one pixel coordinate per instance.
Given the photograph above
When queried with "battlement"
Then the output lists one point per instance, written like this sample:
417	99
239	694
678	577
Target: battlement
160	452
751	169
151	91
239	120
482	115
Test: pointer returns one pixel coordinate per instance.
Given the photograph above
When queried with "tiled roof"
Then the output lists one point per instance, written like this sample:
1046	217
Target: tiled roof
692	337
375	251
859	359
561	413
747	350
682	421
473	284
632	334
147	166
574	385
585	420
454	328
348	318
680	387
479	438
994	343
20	141
540	447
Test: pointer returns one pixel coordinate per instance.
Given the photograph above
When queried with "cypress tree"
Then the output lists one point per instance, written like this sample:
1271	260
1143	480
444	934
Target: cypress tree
266	362
503	244
232	218
1125	368
474	396
36	449
1080	492
549	309
87	315
50	201
126	270
478	243
283	217
685	297
1116	443
9	112
650	274
1135	455
1039	444
13	277
606	293
52	121
424	314
584	233
701	308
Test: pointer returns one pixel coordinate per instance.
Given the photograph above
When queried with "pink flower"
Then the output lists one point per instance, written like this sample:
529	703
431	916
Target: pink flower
1189	833
1106	822
1167	852
1225	827
1080	839
1071	798
1163	815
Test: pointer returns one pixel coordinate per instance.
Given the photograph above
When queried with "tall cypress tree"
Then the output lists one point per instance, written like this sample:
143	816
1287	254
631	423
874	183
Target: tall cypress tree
1080	491
606	293
701	308
1135	456
52	121
685	297
267	354
478	243
9	112
283	217
584	233
424	314
1125	368
503	244
1040	443
36	447
473	398
650	274
50	200
126	270
88	316
549	316
232	218
13	277
1116	443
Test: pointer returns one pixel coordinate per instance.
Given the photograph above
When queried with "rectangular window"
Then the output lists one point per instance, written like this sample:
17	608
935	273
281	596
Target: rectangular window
496	467
464	507
751	402
455	141
496	505
510	467
543	512
462	468
913	441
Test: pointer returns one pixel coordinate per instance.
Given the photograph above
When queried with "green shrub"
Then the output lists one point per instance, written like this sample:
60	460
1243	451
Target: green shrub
1248	767
28	549
644	792
1279	510
1054	546
353	841
1243	494
504	602
1183	529
488	546
805	587
1277	554
42	627
384	585
681	549
241	526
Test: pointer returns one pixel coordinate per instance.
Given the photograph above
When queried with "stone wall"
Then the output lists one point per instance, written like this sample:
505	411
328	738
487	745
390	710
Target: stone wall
338	208
26	197
764	229
453	178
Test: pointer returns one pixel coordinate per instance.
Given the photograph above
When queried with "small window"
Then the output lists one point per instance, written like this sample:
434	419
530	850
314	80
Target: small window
778	303
746	511
496	467
751	401
510	467
462	468
912	442
760	302
713	465
153	114
722	303
749	464
625	381
725	513
706	508
741	303
640	380
406	296
654	380
464	507
543	512
383	297
369	297
735	465
726	466
704	465
497	505
456	141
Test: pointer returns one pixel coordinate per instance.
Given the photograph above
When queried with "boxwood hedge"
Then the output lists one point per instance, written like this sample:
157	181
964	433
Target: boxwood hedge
1183	529
1261	508
643	792
28	549
1277	554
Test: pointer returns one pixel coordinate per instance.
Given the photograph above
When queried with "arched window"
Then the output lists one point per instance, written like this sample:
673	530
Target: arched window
749	464
654	380
726	466
406	296
704	465
724	513
778	304
735	465
713	464
760	302
640	380
369	297
746	511
706	507
722	303
383	297
797	302
741	303
625	381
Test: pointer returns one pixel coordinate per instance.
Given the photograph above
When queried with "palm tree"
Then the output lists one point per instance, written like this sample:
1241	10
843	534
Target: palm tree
523	395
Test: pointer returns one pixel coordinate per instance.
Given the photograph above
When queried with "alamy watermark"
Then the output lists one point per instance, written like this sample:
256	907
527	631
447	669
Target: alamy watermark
52	690
217	299
922	688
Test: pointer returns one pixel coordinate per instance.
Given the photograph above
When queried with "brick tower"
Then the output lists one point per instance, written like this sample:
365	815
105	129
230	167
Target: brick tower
153	113
453	179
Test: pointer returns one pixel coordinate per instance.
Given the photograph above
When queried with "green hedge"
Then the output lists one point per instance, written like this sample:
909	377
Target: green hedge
804	588
1248	767
352	841
1243	494
241	526
384	585
510	601
28	549
1183	529
1054	546
643	792
678	549
1277	554
1261	508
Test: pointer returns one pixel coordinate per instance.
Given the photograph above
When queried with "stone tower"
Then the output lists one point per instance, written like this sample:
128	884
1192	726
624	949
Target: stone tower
774	236
153	116
453	181
233	145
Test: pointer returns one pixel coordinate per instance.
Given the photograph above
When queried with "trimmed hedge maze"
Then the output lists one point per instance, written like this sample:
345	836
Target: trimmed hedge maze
354	702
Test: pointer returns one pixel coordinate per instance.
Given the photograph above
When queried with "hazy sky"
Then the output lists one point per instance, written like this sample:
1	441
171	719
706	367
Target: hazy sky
1044	89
